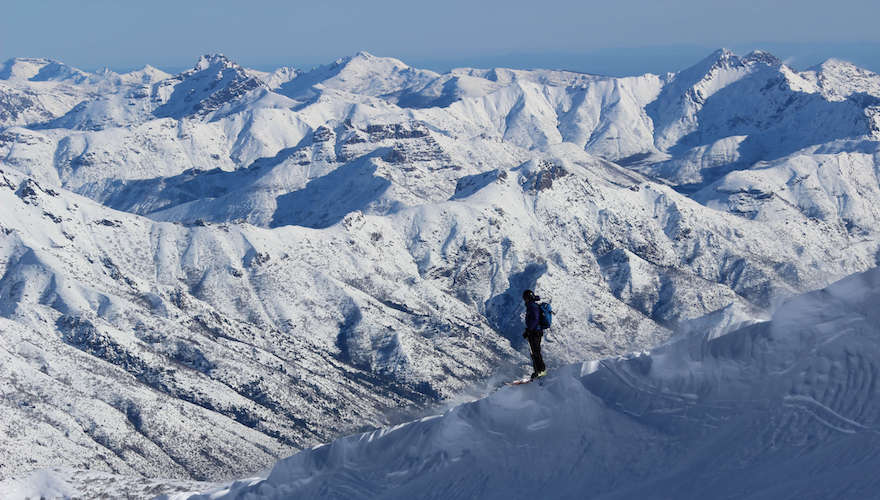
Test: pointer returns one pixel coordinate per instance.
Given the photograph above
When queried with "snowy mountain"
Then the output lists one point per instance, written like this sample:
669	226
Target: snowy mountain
203	272
41	70
728	113
36	90
780	409
215	81
838	80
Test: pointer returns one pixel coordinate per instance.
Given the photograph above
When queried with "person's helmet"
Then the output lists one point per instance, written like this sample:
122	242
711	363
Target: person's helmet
528	295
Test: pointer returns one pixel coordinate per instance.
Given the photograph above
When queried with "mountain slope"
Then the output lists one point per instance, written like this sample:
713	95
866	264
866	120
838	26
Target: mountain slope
240	326
106	315
784	409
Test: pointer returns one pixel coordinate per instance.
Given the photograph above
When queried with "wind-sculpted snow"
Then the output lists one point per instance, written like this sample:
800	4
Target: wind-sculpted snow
281	257
784	409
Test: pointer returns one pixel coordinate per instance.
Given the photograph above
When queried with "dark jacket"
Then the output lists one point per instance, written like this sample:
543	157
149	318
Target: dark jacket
533	316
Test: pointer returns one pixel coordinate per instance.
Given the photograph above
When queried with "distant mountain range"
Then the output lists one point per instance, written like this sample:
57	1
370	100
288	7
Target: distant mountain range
203	272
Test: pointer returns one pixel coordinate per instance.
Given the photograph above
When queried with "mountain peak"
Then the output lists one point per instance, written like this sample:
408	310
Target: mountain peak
843	72
24	68
40	61
721	58
722	54
839	79
833	64
147	74
762	57
724	59
212	83
365	58
210	60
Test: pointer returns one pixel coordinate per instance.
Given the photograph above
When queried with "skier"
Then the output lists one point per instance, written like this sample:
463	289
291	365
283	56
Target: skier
533	332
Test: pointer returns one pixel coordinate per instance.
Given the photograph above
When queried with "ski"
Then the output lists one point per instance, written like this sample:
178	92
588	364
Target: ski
526	380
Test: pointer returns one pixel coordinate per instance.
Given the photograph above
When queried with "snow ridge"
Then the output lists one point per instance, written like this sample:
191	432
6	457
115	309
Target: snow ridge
783	409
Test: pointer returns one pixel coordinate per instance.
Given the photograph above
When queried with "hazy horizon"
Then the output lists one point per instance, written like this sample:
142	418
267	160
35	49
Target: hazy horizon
625	38
622	61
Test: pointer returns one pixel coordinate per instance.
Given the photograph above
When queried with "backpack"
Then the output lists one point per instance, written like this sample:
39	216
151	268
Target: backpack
546	316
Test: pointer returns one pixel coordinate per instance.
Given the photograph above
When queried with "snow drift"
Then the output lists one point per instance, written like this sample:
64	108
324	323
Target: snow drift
781	409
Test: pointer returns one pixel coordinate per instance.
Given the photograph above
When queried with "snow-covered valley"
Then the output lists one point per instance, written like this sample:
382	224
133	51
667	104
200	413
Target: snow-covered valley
204	272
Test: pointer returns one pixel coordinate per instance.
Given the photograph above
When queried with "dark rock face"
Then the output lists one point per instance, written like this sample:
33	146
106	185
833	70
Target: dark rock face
426	149
228	94
190	356
29	191
323	134
54	218
396	131
470	184
15	105
85	336
4	181
356	137
543	178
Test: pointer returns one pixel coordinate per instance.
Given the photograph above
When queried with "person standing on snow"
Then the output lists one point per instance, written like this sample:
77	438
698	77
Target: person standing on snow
533	332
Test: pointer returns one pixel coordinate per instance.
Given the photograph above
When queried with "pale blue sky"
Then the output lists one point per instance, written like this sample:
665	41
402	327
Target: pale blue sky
611	37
